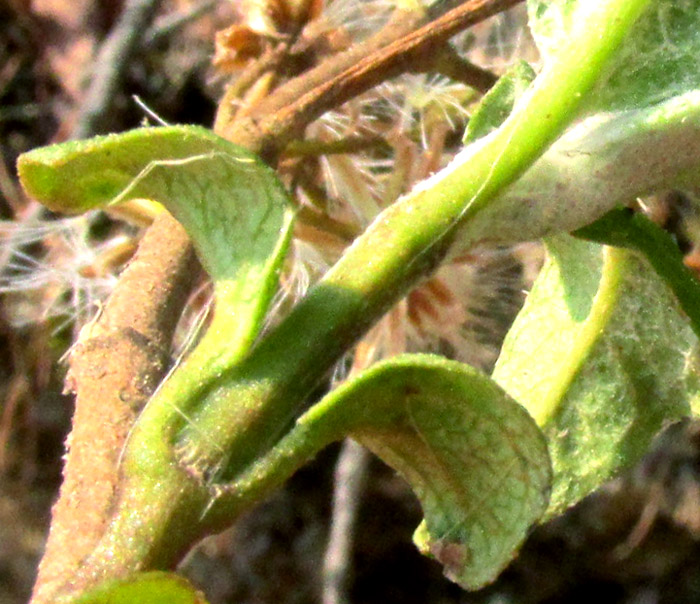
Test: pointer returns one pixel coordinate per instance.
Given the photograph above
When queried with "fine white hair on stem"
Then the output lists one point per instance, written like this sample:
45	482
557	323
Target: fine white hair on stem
194	317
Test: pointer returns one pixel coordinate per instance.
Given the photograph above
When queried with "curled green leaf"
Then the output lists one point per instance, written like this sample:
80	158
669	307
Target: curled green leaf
231	204
473	456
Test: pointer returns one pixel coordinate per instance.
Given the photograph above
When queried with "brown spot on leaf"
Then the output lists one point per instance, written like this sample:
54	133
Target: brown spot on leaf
452	555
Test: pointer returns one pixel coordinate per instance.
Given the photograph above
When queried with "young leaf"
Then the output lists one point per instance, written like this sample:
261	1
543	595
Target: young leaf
473	456
599	355
144	588
657	61
231	204
498	102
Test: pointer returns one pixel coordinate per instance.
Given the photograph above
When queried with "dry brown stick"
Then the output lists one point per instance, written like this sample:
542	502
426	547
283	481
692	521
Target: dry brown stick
407	41
230	102
308	147
114	368
120	360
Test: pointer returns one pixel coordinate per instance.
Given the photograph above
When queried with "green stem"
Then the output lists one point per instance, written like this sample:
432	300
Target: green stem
248	411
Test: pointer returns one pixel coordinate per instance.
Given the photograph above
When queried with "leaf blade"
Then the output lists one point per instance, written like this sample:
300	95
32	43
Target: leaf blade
231	204
472	455
628	380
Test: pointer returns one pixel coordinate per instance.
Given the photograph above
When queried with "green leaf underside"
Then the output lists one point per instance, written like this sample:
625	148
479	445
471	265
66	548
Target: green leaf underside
473	456
657	61
599	356
623	227
231	204
144	588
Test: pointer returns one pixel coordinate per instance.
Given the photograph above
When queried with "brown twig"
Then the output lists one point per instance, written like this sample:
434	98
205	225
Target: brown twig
450	63
114	368
348	144
230	102
407	41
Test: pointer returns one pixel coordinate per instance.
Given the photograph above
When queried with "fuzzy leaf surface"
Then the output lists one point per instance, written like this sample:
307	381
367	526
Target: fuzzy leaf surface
657	61
474	457
623	227
599	355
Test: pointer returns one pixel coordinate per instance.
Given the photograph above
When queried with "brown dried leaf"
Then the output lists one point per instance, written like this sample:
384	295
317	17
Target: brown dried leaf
235	46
